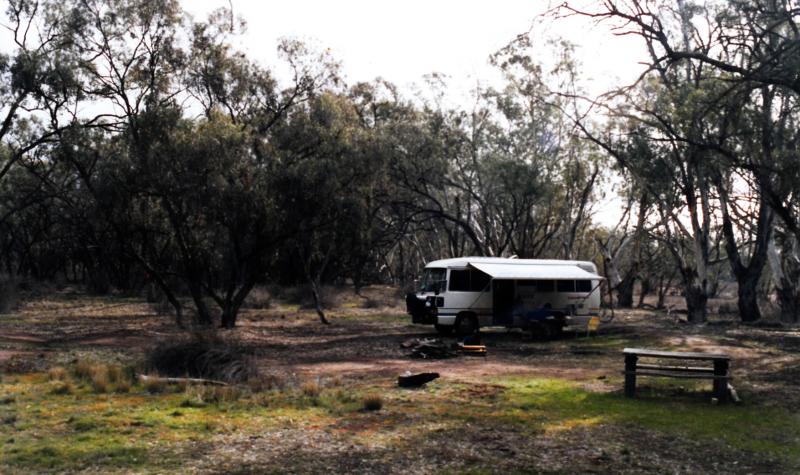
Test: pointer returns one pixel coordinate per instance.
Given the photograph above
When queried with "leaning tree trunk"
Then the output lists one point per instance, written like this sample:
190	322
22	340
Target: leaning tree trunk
318	302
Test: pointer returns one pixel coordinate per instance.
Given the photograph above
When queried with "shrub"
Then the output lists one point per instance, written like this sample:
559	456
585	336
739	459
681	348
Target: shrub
115	373
100	379
343	396
83	370
372	402
202	356
258	298
154	385
56	373
310	389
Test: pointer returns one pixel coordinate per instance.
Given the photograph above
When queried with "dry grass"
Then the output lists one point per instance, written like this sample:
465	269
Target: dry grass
83	370
100	380
57	373
372	402
124	385
199	395
154	385
63	388
115	373
311	389
266	382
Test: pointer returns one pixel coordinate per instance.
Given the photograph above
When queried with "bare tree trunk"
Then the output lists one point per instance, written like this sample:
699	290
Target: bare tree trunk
645	289
696	303
203	316
788	293
625	292
747	276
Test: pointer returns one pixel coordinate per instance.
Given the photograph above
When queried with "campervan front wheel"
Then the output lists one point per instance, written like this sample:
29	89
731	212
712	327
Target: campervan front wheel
466	324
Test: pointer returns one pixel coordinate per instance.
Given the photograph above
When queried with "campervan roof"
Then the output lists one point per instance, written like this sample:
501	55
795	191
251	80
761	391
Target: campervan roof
550	272
466	261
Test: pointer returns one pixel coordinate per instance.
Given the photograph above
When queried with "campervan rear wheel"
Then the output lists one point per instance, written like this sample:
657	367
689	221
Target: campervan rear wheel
556	329
466	324
540	331
444	330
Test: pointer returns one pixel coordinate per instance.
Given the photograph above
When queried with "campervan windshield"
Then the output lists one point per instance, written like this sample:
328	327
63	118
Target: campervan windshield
431	280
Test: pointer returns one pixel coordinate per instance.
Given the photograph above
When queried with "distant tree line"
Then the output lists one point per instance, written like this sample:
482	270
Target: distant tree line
139	147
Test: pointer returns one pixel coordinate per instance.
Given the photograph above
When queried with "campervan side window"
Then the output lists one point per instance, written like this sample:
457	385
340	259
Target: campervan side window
459	280
479	280
566	286
583	285
470	280
545	285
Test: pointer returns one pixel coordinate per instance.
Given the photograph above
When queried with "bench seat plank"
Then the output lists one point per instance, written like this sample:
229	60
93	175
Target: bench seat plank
688	369
674	374
675	354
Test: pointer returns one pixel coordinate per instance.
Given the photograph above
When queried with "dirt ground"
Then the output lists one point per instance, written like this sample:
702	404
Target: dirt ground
528	406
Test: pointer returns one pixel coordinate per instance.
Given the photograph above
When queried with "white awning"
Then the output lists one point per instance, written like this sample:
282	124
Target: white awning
534	272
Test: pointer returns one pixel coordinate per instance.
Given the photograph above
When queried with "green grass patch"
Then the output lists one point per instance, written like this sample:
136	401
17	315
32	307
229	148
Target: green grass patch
554	404
49	431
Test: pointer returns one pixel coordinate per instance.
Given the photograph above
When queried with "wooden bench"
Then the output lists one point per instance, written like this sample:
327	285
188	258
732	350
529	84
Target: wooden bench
719	372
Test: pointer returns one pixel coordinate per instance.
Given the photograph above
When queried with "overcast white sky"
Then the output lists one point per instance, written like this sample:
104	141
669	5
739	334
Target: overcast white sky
402	41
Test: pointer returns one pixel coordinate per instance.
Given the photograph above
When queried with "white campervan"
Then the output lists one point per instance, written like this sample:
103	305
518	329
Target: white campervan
463	294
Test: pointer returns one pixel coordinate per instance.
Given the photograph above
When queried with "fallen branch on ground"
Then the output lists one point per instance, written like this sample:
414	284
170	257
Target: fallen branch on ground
145	378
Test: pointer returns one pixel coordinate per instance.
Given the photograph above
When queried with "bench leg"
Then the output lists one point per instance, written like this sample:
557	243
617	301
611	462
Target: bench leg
721	383
630	375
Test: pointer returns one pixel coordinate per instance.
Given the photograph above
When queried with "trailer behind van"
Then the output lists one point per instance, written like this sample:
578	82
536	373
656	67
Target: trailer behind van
463	294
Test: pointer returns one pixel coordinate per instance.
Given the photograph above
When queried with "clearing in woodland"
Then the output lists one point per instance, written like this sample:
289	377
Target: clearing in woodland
326	398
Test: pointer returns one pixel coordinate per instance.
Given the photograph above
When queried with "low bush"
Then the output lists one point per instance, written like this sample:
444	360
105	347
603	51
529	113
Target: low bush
372	402
99	379
57	373
115	373
258	298
154	385
202	356
310	389
83	370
